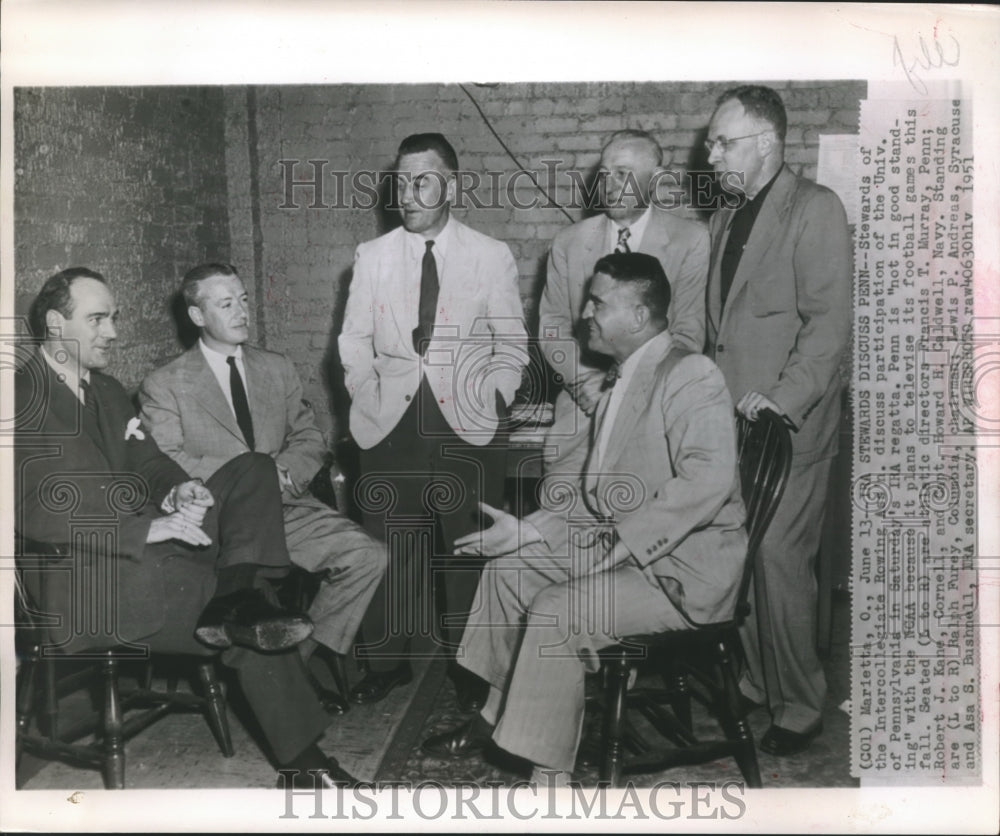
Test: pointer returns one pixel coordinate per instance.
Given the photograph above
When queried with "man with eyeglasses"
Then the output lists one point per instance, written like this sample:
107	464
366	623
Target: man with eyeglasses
631	220
779	321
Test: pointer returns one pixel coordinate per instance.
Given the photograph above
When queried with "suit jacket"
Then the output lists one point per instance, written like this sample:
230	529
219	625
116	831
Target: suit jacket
681	246
787	319
668	484
71	477
187	412
478	350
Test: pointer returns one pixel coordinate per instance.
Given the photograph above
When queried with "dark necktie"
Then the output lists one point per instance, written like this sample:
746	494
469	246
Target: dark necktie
611	377
623	236
240	404
90	403
427	310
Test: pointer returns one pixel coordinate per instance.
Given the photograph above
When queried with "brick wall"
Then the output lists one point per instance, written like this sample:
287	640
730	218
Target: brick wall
304	255
127	181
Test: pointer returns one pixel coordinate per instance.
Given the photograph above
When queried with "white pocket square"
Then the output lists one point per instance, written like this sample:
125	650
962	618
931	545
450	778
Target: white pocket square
133	431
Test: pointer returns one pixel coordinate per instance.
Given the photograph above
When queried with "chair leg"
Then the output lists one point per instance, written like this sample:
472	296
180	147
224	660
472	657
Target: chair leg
680	695
25	699
339	672
216	705
114	742
614	711
49	718
735	721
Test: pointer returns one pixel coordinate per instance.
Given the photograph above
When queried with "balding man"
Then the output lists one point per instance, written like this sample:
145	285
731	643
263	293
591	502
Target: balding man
631	164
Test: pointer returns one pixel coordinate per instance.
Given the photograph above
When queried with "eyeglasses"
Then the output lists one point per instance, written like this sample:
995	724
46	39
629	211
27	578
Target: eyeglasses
724	143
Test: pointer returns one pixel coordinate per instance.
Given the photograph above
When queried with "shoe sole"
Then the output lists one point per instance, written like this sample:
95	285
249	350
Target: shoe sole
214	636
271	635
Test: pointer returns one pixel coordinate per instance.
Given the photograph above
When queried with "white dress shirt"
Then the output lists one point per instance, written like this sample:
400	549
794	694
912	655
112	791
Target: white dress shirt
636	230
220	368
614	397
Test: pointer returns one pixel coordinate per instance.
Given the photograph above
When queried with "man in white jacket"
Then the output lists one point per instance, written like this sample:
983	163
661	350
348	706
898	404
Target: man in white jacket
433	347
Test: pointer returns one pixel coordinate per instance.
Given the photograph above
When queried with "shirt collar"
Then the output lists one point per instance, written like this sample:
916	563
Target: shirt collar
418	244
636	229
628	366
67	373
217	358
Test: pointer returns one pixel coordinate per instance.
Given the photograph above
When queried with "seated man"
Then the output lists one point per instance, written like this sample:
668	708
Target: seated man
651	532
222	398
181	559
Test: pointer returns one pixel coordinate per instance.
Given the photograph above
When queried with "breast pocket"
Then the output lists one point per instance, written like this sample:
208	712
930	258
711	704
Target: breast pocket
772	294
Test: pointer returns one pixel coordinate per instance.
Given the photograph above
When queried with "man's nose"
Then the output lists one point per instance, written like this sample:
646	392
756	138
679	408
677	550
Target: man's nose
588	310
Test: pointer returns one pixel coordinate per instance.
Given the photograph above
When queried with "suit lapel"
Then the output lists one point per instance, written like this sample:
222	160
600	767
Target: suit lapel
656	238
207	392
720	233
261	391
69	412
403	287
593	246
761	237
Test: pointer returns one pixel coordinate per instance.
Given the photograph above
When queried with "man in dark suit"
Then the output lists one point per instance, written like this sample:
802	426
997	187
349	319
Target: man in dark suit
168	561
631	164
779	321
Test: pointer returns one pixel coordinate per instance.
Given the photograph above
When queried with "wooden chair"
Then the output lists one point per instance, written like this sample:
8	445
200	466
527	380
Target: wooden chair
40	688
706	652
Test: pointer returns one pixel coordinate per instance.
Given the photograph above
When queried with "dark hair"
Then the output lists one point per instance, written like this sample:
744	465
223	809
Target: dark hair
194	277
761	103
646	272
55	296
633	135
419	143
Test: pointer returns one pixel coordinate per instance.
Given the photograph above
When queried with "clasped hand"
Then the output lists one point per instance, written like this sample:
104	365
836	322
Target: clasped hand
191	500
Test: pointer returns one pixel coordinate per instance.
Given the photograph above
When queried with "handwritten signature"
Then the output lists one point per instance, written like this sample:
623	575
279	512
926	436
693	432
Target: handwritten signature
930	57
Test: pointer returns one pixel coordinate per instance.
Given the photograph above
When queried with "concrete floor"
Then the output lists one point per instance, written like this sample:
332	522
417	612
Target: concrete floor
382	742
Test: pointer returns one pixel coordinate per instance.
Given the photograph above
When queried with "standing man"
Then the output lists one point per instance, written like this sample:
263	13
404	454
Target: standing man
222	398
779	320
433	347
181	560
631	164
649	538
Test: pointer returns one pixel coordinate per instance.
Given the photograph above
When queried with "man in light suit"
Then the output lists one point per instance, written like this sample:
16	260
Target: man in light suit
779	321
180	560
652	532
433	347
222	398
631	164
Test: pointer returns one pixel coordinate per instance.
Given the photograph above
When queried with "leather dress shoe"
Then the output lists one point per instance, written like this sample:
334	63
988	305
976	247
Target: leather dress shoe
247	618
779	741
329	776
470	738
471	693
332	702
376	685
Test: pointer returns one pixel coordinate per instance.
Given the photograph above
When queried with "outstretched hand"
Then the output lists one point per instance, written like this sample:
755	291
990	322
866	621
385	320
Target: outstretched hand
500	538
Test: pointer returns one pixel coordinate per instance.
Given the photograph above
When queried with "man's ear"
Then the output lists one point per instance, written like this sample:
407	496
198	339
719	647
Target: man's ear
194	312
452	188
54	322
640	318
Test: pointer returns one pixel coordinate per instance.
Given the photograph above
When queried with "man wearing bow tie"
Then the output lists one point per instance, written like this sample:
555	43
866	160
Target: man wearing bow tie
652	534
631	164
433	347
